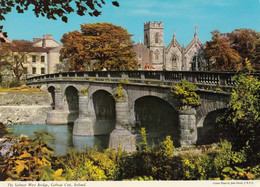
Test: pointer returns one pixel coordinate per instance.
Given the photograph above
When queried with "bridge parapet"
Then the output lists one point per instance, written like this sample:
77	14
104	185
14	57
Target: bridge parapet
222	80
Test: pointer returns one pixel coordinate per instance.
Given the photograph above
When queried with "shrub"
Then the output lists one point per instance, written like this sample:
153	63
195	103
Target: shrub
235	172
15	84
88	165
29	160
240	123
184	94
119	93
197	167
3	130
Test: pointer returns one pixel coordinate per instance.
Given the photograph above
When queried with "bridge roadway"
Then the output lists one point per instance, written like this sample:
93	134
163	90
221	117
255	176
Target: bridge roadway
84	98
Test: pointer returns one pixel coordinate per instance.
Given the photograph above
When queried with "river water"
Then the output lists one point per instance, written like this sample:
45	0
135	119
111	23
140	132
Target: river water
63	140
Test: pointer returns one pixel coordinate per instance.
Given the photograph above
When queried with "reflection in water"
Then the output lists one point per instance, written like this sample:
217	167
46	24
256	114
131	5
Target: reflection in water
62	139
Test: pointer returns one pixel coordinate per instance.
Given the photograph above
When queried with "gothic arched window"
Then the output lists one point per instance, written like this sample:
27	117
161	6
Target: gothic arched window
174	61
157	38
146	39
157	54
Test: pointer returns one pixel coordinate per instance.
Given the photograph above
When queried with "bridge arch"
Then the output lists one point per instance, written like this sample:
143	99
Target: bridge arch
207	127
159	118
104	107
71	103
51	90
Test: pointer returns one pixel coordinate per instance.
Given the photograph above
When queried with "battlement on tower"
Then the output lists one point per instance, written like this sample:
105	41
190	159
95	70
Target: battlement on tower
151	25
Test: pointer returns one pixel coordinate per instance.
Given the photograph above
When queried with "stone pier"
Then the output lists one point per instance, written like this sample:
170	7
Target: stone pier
84	125
59	116
188	127
121	136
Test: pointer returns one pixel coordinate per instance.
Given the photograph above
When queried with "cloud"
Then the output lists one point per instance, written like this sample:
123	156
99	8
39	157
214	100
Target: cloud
176	8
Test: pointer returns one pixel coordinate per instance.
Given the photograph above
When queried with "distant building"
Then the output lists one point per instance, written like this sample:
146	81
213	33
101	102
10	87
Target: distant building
44	54
156	55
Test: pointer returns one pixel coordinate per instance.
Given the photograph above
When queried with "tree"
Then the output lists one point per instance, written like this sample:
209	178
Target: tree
229	51
245	42
241	122
220	53
13	56
98	46
53	9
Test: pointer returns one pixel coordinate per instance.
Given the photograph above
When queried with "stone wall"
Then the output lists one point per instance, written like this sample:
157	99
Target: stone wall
24	108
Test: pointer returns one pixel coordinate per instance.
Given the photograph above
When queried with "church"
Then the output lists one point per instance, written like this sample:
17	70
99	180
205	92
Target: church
154	55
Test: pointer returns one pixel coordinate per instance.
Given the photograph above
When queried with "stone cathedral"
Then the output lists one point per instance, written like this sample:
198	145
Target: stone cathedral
157	56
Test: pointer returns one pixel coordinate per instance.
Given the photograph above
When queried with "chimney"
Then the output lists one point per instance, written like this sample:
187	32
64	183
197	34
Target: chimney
47	36
43	42
35	40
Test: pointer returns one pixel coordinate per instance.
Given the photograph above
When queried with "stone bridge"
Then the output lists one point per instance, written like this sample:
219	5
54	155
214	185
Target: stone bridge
89	100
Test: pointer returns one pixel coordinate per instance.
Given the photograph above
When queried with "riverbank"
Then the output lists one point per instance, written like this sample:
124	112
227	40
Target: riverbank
24	107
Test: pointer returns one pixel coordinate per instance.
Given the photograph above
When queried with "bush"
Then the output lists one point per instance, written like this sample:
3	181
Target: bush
241	122
184	94
3	130
15	84
88	165
29	160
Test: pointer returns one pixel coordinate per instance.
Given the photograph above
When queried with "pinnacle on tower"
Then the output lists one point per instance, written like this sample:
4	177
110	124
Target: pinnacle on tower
195	34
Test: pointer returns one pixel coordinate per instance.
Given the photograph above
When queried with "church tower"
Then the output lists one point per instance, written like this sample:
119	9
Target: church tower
153	39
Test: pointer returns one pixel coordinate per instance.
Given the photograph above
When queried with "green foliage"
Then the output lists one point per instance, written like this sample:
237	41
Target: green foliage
11	84
143	144
3	130
184	94
224	156
237	173
196	167
29	160
143	178
241	122
15	84
84	91
88	165
124	81
119	95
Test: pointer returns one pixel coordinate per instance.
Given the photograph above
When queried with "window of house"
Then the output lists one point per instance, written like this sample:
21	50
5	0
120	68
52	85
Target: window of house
42	70
33	58
42	58
34	70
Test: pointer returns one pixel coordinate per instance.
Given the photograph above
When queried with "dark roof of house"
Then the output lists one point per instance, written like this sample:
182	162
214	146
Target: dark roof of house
23	46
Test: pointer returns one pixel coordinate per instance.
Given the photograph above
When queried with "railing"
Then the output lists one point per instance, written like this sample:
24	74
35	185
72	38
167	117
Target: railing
209	78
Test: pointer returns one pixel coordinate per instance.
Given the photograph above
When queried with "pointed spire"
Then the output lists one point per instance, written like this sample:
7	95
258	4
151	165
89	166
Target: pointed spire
195	34
140	40
174	33
183	45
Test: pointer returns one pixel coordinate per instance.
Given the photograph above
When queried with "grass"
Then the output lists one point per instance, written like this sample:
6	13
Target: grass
20	89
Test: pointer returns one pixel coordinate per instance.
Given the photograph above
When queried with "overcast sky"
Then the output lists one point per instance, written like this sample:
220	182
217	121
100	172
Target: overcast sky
178	15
